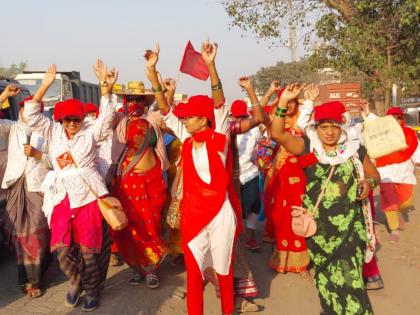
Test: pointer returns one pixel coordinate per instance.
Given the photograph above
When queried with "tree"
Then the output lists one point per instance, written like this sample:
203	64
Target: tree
13	70
301	71
377	38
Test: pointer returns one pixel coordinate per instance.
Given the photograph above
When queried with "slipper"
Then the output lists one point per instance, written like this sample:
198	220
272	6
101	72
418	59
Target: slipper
248	306
374	283
34	293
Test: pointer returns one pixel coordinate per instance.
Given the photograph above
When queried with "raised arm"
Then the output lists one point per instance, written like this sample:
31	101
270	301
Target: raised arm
102	126
10	91
293	144
152	58
170	85
274	88
32	108
258	115
311	93
209	52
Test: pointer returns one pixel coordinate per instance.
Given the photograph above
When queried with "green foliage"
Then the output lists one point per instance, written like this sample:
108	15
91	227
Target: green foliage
301	71
13	70
375	40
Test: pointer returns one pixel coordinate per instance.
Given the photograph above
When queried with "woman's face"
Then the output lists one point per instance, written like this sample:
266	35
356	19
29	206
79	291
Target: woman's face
194	124
72	124
329	133
135	104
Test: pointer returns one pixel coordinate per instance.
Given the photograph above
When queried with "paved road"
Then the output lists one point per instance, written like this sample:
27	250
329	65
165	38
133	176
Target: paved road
280	294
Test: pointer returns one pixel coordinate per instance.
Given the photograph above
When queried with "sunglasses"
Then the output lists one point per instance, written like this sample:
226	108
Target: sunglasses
76	120
135	98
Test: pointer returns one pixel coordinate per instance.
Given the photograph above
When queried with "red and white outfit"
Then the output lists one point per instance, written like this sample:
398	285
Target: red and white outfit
209	222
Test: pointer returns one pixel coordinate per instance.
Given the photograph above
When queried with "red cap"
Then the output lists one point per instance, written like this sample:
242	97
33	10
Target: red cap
30	97
395	111
197	105
239	109
71	107
329	111
56	112
91	108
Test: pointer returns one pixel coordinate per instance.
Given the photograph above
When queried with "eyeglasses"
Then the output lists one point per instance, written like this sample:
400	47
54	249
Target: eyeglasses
75	120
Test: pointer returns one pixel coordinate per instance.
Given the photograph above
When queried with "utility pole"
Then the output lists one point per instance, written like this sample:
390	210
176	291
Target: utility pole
292	32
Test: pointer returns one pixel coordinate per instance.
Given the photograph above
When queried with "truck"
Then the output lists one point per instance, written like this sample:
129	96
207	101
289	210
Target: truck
348	93
67	84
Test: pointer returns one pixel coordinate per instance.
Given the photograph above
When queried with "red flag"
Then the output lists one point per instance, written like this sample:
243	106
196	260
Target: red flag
193	64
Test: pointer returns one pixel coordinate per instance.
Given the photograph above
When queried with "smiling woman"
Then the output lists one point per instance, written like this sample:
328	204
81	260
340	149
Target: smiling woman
78	232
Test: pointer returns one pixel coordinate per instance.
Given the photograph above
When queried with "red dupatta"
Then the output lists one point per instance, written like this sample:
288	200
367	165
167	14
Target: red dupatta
404	155
201	202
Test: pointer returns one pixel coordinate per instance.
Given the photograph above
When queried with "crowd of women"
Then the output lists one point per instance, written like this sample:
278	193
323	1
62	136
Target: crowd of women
192	178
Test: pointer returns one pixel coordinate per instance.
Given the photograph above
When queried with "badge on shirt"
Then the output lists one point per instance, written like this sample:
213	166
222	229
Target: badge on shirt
65	160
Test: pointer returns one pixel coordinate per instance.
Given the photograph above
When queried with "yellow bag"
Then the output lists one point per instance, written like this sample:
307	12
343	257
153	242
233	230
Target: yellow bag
113	213
383	136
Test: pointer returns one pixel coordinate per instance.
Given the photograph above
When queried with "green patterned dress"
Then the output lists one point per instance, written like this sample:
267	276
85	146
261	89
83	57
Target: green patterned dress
337	249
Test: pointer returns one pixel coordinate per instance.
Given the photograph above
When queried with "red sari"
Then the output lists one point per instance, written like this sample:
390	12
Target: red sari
286	189
142	196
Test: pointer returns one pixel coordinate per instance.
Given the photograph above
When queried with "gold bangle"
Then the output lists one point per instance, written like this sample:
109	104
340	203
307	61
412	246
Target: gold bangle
157	90
217	86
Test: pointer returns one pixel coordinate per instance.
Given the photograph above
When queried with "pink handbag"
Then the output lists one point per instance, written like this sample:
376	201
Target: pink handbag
303	223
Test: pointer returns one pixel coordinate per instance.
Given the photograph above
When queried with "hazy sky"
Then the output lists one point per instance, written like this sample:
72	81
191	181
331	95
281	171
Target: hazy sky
74	33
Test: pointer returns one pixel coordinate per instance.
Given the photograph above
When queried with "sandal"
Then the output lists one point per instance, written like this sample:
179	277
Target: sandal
91	303
394	237
34	293
72	299
136	278
152	281
243	305
374	283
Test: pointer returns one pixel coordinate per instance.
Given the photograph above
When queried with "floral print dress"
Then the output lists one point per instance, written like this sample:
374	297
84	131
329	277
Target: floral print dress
337	249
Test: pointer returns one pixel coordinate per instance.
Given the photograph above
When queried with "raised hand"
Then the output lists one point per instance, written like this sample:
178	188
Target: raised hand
10	91
152	57
245	82
100	70
291	92
311	92
209	52
365	107
170	84
275	87
49	76
112	76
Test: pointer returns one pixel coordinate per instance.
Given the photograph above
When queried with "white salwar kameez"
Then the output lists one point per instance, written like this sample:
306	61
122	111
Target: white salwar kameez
213	245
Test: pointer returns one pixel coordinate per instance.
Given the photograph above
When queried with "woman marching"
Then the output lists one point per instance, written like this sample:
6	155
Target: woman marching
334	167
140	187
78	232
209	223
285	188
26	228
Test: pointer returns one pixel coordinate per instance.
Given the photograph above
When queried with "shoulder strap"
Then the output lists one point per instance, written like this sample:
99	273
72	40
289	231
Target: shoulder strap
321	194
139	154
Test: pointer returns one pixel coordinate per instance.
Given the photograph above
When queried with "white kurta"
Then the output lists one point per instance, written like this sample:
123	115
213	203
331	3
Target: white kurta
213	246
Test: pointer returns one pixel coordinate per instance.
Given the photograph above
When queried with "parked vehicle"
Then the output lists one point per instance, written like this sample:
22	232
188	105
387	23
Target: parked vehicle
67	85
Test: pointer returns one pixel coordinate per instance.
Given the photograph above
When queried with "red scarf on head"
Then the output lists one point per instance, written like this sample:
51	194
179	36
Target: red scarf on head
404	155
201	202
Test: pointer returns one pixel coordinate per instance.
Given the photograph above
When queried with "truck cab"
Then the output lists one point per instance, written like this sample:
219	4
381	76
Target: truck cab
66	85
59	91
